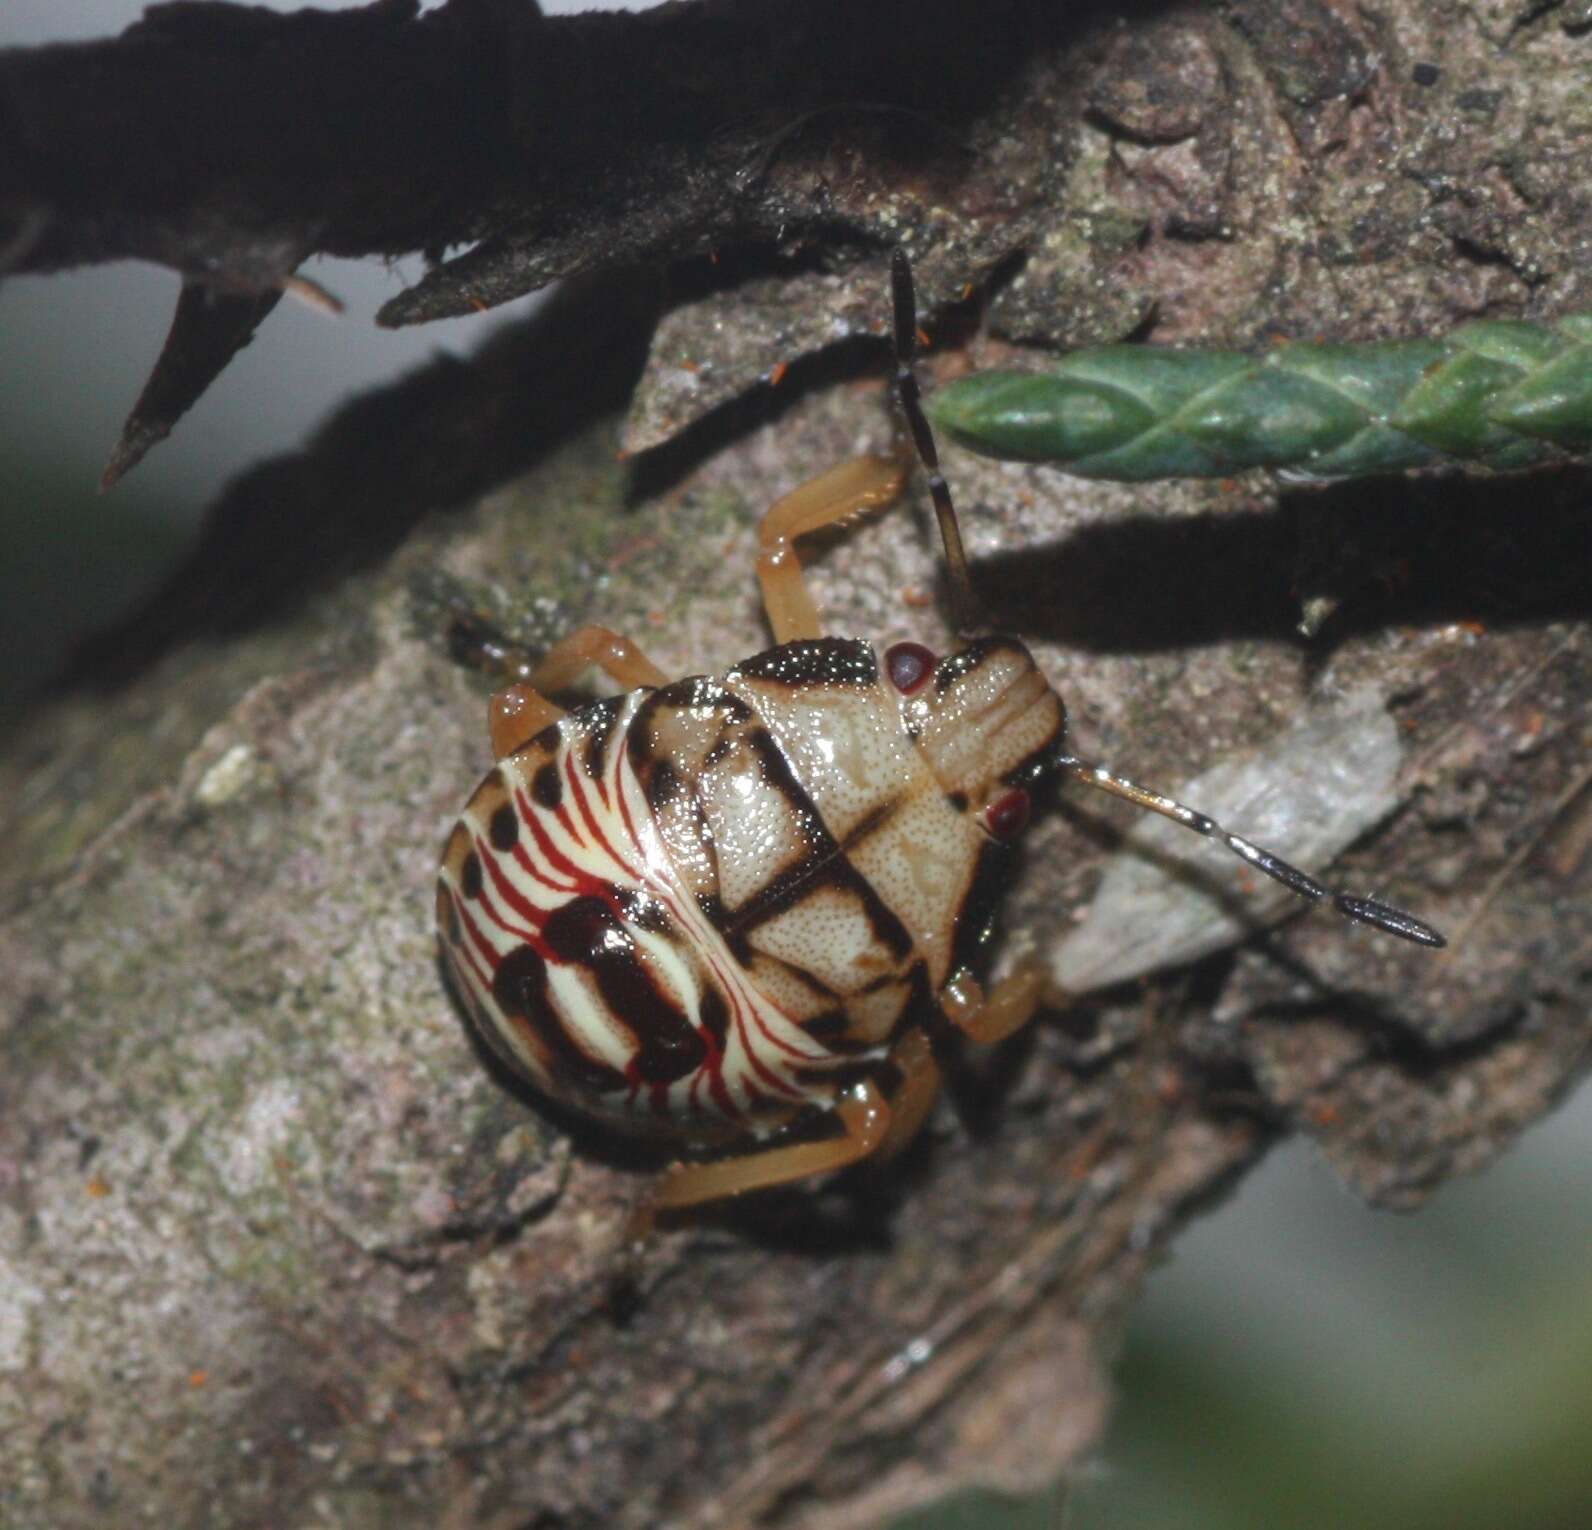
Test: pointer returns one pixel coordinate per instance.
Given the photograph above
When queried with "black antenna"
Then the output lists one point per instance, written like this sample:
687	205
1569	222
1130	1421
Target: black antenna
1381	916
910	400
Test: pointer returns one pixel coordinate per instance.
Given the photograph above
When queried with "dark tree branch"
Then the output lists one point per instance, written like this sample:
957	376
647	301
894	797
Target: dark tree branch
230	144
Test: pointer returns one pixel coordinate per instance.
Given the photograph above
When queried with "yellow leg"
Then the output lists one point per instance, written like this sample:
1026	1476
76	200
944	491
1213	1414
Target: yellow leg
520	711
516	715
615	655
1007	1007
912	1102
865	1117
863	483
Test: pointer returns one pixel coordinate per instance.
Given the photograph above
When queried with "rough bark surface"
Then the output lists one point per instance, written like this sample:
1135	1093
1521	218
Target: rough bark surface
276	1249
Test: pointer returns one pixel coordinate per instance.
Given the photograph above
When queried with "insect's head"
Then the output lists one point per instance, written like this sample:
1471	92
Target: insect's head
984	716
986	720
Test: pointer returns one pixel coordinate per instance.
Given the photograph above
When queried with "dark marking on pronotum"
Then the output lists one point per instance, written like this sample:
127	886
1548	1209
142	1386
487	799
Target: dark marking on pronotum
814	661
712	906
698	692
882	919
800	974
833	1029
957	666
470	876
871	822
823	864
975	920
825	868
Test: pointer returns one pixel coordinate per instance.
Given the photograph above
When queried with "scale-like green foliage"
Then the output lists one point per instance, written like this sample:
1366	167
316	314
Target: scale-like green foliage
1500	394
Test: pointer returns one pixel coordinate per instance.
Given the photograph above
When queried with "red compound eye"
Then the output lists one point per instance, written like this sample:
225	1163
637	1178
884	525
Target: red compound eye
909	666
1006	816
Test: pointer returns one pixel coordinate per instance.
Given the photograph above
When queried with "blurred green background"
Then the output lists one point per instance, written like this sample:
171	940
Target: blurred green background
1301	1363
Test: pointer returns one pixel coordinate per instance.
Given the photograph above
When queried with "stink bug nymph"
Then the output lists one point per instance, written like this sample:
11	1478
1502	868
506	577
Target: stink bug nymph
710	909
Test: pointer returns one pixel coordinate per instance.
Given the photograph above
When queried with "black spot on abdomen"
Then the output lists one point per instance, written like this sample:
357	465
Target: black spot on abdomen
504	828
547	790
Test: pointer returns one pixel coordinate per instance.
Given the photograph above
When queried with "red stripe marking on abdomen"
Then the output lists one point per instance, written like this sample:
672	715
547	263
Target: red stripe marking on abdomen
713	1063
488	953
594	828
532	915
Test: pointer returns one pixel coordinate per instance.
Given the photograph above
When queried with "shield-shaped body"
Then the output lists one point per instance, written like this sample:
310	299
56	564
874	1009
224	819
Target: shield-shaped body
699	909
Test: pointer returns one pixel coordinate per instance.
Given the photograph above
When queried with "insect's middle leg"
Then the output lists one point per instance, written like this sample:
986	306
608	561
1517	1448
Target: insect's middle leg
862	483
914	1099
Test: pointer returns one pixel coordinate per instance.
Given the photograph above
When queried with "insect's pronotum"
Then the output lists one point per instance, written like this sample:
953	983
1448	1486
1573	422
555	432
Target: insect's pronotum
713	908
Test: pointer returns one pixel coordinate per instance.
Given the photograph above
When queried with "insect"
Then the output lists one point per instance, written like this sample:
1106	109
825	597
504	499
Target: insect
1500	393
734	911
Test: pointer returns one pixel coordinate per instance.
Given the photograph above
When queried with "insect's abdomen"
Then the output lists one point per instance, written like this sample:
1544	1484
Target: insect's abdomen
667	910
566	934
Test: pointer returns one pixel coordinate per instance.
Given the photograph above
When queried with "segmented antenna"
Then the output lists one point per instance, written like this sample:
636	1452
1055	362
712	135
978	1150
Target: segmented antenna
910	400
1381	916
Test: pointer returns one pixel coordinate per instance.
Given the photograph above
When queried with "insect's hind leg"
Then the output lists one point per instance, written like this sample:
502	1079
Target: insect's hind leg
521	709
861	483
865	1119
613	653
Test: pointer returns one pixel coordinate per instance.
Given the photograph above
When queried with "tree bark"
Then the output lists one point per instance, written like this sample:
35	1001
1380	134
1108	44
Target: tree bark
275	1246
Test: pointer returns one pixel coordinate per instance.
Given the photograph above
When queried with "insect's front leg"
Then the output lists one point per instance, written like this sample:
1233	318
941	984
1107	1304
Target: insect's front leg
862	483
990	1017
